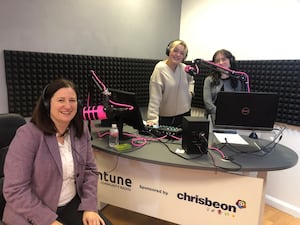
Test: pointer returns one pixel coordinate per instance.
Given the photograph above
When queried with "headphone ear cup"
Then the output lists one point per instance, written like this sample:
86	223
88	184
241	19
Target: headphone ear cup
46	105
79	104
45	101
185	56
232	59
168	50
232	63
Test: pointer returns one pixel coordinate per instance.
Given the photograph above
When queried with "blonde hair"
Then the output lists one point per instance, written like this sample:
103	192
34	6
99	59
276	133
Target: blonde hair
174	43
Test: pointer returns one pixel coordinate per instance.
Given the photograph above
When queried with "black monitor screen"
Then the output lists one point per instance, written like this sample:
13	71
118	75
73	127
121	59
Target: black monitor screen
242	110
132	117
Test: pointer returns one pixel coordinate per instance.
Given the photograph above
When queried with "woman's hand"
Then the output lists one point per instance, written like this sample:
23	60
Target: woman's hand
151	123
92	218
56	223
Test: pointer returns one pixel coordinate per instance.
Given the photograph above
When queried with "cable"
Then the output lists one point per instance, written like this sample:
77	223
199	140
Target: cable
218	150
238	150
227	159
269	147
277	138
115	166
167	146
261	150
136	140
223	156
104	90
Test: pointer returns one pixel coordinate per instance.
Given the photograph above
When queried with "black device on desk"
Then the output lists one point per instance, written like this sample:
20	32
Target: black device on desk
164	130
248	111
195	135
132	117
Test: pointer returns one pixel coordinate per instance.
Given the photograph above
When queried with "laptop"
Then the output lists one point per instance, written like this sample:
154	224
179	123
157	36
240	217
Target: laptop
243	110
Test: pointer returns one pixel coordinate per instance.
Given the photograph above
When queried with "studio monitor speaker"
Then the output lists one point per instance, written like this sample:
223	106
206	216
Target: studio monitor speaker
195	135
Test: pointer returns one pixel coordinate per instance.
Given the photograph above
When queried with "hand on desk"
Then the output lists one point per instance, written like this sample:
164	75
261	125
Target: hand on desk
151	123
56	223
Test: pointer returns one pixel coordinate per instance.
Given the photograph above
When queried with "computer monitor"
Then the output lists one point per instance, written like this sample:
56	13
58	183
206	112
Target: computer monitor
132	117
250	111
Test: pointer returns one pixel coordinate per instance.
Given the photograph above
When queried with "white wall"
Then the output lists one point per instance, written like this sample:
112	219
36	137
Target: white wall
118	28
283	186
251	30
256	29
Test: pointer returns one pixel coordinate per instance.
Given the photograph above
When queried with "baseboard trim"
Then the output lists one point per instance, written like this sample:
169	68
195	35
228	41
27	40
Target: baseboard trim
283	206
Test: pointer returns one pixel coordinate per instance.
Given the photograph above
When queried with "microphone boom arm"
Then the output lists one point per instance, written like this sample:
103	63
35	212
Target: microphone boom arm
235	74
109	108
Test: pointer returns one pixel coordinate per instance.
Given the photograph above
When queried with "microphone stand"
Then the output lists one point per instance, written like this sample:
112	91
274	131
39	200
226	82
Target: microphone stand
232	73
108	104
101	86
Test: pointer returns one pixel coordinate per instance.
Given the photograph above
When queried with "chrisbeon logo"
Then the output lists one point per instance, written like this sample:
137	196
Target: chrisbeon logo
241	204
220	208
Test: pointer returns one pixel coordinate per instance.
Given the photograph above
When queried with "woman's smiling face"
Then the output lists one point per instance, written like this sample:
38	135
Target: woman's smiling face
63	105
177	54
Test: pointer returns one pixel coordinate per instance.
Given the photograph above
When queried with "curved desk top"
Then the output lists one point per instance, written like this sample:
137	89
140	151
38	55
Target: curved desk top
243	158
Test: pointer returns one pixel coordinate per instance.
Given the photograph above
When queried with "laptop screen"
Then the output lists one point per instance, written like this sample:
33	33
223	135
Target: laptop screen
242	110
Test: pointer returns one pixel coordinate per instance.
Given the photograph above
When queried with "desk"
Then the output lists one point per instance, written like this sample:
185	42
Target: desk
154	181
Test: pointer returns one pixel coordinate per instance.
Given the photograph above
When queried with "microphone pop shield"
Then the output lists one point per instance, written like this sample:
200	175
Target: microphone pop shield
94	113
191	70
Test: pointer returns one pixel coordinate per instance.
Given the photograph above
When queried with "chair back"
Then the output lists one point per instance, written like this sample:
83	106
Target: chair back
9	123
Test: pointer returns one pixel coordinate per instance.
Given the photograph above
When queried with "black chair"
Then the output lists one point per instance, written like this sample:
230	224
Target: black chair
9	123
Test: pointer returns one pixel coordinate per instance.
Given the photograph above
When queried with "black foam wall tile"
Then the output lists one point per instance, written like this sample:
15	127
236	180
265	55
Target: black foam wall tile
28	72
281	77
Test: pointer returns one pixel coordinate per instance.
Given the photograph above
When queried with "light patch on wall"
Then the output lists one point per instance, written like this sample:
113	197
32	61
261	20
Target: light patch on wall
251	30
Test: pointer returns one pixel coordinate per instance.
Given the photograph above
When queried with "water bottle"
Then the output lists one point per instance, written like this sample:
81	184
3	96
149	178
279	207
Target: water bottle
113	136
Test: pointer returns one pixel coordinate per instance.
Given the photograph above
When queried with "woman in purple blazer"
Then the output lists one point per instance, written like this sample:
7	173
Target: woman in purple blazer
50	172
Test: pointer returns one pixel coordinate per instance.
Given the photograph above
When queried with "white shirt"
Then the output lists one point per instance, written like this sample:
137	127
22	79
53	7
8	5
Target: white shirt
68	190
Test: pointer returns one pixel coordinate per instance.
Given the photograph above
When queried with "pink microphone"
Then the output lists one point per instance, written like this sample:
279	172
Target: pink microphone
192	70
94	113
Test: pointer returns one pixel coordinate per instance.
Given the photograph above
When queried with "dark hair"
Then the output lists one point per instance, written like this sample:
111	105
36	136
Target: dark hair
227	55
216	75
41	113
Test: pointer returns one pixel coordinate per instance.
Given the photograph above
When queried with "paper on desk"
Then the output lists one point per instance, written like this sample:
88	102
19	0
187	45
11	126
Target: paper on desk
231	138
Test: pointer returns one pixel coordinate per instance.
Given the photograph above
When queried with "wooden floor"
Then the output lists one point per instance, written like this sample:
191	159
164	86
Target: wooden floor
120	216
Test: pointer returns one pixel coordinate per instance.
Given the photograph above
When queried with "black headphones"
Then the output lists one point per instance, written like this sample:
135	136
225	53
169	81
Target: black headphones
46	102
168	49
232	60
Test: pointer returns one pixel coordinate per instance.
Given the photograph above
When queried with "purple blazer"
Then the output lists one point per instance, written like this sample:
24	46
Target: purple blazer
33	176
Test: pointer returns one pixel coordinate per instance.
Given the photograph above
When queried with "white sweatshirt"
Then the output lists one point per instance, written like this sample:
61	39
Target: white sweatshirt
170	93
